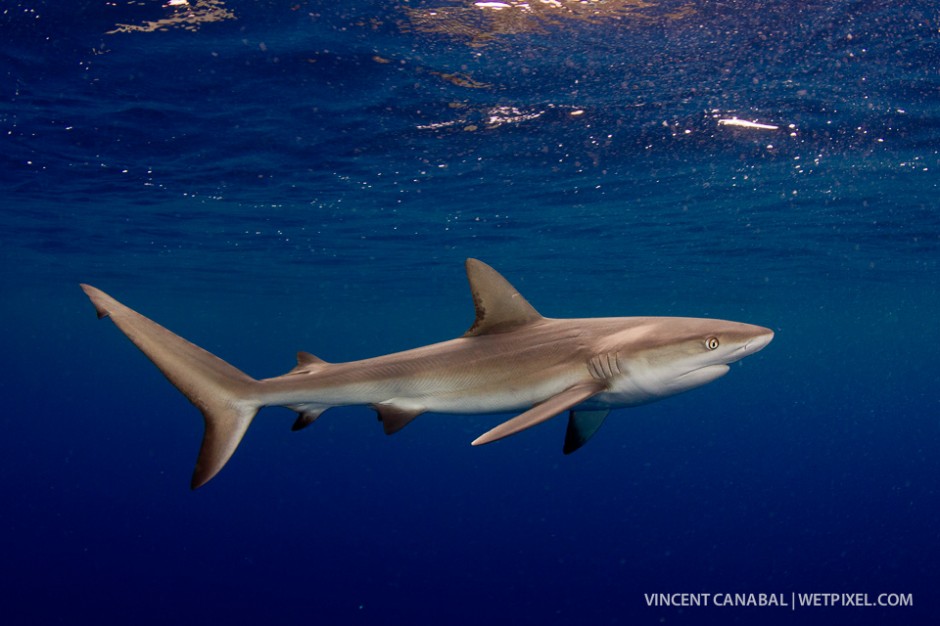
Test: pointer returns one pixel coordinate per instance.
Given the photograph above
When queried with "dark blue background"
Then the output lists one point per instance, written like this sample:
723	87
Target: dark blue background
304	176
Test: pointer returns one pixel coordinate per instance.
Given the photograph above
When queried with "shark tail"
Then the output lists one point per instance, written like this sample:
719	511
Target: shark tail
227	398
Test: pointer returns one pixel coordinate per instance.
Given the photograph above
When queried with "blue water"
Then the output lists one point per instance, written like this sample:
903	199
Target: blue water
304	175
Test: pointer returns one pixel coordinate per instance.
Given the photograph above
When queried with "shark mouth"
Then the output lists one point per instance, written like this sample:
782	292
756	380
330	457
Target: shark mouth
704	374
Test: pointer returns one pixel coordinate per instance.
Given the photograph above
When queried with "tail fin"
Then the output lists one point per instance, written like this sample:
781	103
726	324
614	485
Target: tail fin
226	396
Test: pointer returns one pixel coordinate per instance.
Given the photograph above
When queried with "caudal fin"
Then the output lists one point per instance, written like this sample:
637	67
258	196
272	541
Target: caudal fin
226	396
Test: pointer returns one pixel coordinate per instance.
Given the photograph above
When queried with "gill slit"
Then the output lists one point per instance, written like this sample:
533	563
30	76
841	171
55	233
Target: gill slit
605	366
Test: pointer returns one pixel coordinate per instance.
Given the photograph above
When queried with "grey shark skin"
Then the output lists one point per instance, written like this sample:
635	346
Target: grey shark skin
511	359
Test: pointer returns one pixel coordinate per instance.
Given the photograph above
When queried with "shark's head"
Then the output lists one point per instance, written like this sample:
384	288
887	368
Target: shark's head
664	356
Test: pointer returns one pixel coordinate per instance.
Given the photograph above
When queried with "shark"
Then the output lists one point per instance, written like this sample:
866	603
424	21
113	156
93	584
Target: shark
511	359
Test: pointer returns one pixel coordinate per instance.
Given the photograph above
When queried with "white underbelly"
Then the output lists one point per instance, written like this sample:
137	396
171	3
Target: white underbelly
490	398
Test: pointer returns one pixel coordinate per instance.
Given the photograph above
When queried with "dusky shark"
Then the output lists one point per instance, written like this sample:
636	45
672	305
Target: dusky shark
511	359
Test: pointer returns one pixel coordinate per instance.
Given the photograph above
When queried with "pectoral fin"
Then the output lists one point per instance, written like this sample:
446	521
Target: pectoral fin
581	426
542	412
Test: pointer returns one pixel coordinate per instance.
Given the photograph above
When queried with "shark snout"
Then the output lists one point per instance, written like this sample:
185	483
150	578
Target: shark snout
757	343
752	341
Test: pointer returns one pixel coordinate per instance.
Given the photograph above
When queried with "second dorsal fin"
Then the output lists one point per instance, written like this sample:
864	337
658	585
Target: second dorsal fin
499	306
307	364
305	358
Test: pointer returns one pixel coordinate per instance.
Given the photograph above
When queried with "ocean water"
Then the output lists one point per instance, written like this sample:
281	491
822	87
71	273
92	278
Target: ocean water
267	177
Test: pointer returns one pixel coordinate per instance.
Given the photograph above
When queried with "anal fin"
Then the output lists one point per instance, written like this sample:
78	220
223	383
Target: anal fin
542	412
581	426
306	415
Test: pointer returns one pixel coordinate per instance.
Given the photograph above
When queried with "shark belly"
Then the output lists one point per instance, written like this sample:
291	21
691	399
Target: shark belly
495	397
452	390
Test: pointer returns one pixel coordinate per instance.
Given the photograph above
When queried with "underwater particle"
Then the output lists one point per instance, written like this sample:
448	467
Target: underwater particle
746	124
497	116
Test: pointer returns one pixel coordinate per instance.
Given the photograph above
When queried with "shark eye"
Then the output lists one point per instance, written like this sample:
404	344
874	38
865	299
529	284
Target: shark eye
711	343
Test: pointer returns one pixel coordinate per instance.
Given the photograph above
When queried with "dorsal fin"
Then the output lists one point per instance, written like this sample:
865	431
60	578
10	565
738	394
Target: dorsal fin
307	363
499	307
